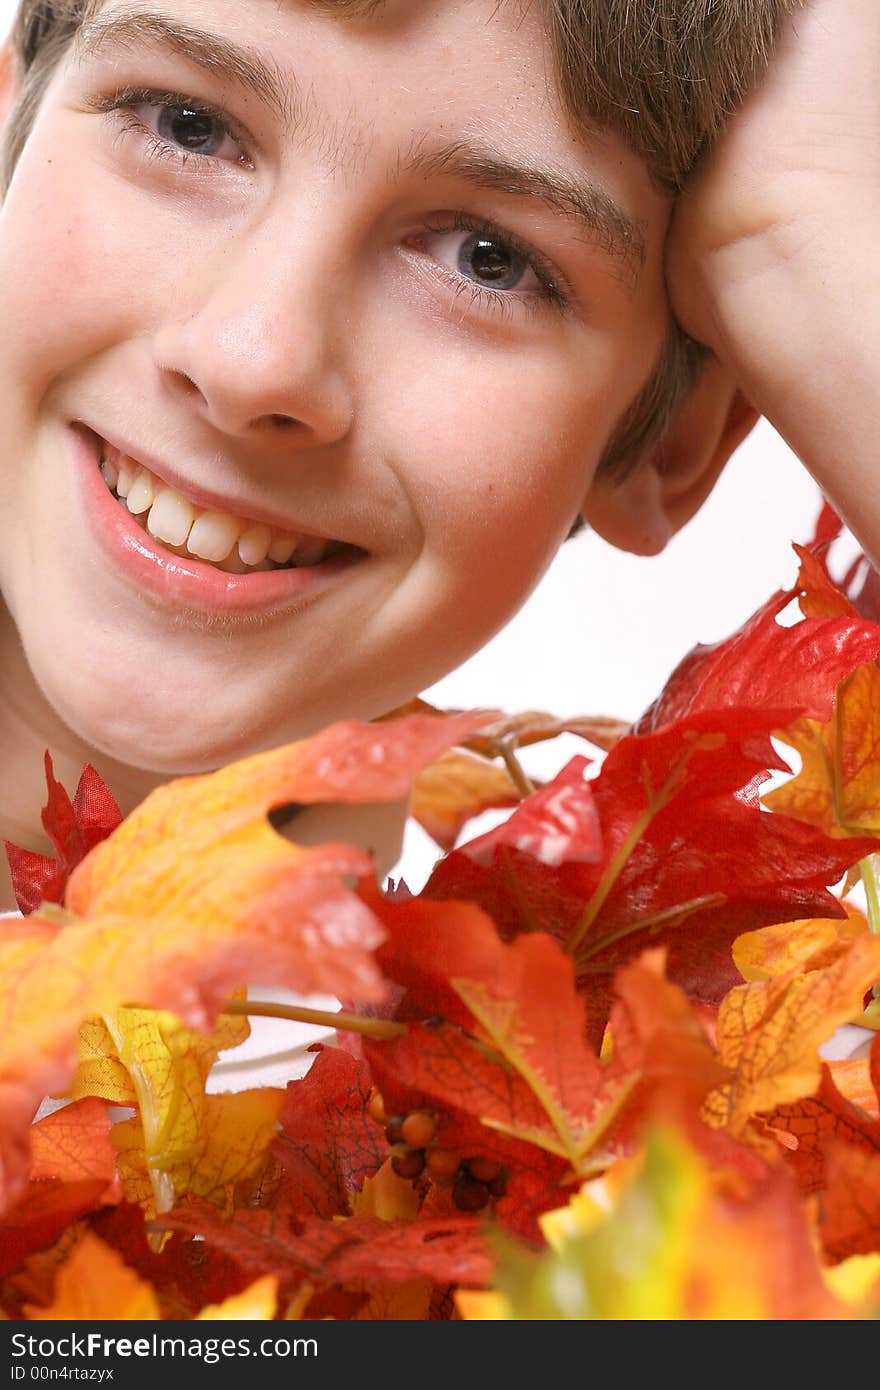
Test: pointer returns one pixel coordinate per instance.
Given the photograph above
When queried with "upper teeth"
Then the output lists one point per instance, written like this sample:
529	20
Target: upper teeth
209	535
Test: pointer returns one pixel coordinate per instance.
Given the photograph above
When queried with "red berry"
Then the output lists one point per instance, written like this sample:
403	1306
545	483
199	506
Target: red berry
376	1107
483	1169
470	1195
409	1164
443	1164
393	1129
418	1129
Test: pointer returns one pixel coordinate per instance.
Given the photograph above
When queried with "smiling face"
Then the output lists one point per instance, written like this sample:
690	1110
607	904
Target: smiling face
370	295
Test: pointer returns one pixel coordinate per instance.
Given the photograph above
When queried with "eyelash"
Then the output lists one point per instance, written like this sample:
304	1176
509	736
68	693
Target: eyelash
551	294
121	106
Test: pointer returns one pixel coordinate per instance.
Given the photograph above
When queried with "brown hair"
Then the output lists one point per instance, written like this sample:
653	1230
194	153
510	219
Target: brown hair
664	74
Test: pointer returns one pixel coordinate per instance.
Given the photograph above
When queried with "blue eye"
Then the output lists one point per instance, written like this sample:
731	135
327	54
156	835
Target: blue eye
492	262
191	129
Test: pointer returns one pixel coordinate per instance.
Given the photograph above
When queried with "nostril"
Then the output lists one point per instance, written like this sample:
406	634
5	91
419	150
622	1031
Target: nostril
282	421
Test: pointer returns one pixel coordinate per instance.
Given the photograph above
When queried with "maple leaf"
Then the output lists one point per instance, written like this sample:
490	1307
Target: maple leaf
768	1034
851	1201
94	1284
837	785
191	893
818	1119
689	860
74	827
677	1244
444	1250
328	1143
101	1072
528	727
227	1147
800	946
185	1275
147	1058
503	1058
73	1144
457	787
45	1210
764	665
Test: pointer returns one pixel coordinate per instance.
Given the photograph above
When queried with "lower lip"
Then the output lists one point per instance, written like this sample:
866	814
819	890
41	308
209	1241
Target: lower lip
186	583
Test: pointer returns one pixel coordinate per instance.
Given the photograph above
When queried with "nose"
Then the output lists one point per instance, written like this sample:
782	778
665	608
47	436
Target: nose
261	345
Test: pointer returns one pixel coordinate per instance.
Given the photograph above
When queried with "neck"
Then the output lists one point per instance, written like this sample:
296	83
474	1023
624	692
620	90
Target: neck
28	727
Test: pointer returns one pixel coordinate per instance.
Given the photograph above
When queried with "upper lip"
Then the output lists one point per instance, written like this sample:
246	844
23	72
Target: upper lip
213	501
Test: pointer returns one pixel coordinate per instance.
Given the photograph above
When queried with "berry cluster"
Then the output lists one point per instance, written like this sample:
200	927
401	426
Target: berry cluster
474	1181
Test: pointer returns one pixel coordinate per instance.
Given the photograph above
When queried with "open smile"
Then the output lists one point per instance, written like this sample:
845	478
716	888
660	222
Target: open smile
236	544
195	555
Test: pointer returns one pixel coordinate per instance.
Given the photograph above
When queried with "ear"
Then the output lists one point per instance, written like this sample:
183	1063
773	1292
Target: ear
642	513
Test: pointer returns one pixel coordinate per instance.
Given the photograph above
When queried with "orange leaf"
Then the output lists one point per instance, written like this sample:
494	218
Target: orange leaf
801	946
851	1202
455	788
769	1034
528	727
94	1285
191	895
73	1143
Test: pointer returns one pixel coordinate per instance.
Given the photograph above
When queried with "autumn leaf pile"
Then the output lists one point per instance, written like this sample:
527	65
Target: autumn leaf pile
580	1074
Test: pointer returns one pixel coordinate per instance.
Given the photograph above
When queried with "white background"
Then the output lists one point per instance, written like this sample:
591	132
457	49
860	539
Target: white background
603	630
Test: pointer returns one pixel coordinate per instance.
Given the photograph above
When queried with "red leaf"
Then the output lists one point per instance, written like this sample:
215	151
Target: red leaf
328	1142
689	859
448	1251
765	665
74	827
44	1212
555	825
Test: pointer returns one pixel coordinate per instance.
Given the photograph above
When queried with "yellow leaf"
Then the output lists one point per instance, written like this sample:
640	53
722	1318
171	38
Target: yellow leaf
838	786
256	1303
387	1196
227	1147
477	1305
769	1034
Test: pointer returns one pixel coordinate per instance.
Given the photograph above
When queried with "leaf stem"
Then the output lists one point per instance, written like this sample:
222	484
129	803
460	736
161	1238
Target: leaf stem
609	878
381	1029
515	769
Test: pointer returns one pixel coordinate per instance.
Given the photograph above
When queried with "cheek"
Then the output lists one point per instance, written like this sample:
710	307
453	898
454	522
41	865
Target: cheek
71	269
496	464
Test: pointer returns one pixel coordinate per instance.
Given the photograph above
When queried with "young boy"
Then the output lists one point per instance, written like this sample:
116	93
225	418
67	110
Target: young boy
324	320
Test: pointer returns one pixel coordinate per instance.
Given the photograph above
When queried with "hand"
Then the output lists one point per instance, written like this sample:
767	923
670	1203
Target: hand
772	258
796	172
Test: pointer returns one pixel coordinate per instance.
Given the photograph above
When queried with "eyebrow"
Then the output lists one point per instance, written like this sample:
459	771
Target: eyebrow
584	204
